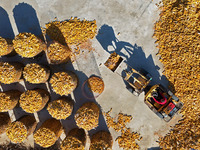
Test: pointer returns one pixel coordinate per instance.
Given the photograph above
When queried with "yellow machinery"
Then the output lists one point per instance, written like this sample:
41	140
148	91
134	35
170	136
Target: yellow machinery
162	102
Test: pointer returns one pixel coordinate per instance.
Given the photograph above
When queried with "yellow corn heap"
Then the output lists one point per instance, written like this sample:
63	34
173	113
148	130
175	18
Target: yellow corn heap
177	35
35	73
112	61
4	122
72	32
87	116
64	83
6	46
19	130
102	140
10	72
76	139
60	108
96	84
128	139
34	100
58	53
28	45
8	100
120	124
48	133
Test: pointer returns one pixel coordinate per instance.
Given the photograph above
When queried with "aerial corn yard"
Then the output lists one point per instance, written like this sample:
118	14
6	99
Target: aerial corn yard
100	75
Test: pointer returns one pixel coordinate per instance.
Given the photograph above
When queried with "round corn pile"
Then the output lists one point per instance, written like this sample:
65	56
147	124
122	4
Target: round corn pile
102	141
127	140
4	122
177	33
96	84
10	72
34	100
48	133
6	46
76	139
87	116
60	108
34	73
58	53
19	130
64	83
72	32
28	45
8	100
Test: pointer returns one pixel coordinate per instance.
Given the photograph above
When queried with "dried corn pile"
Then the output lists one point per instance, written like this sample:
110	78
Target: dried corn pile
8	100
58	53
177	33
10	72
112	61
64	83
4	122
128	139
28	45
35	73
6	46
76	139
96	84
19	130
60	108
87	116
101	140
48	133
34	100
72	32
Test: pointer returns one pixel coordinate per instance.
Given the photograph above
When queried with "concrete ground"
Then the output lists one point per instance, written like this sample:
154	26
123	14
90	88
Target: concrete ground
123	26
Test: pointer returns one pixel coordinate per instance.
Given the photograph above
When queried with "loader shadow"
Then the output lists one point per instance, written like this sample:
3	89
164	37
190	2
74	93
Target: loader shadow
26	19
6	30
133	55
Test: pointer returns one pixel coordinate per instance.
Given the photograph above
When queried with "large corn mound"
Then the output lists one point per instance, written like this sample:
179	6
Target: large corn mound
178	37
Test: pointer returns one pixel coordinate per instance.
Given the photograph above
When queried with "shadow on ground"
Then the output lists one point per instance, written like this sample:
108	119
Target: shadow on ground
133	55
26	19
6	30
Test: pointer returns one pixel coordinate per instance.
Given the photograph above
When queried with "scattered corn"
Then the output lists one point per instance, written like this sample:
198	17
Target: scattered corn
28	45
87	116
128	140
177	33
34	73
63	83
96	84
60	108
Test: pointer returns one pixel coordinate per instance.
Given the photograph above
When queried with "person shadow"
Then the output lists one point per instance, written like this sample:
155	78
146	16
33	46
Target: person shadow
26	19
133	55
